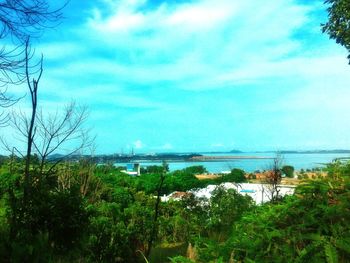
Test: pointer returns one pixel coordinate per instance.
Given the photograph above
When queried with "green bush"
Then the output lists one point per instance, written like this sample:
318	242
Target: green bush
236	176
288	171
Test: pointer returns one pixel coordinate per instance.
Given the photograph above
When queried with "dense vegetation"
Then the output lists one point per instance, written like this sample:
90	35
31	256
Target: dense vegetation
89	213
310	226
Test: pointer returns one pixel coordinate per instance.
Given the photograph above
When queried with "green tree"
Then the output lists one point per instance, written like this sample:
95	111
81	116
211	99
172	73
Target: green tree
288	170
338	25
152	169
197	169
226	207
310	226
236	176
108	234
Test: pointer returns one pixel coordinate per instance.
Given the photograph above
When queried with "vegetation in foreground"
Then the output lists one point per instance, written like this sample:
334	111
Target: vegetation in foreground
83	212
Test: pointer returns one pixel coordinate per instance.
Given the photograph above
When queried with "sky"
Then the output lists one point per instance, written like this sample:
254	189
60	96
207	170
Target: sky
201	75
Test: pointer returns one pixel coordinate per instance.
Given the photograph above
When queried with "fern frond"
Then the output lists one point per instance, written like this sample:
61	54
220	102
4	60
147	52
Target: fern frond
331	253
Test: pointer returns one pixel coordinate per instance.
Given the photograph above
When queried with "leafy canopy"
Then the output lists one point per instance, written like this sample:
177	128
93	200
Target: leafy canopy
338	25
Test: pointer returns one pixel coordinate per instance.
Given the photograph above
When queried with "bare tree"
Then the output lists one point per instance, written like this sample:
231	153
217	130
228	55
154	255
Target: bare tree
12	63
5	102
47	134
19	21
23	18
83	176
12	72
60	133
26	125
33	89
273	178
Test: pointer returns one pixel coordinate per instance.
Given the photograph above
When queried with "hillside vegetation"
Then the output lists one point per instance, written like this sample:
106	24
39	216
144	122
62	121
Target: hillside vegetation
81	212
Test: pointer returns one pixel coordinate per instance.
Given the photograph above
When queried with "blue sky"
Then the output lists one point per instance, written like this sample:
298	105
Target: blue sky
202	75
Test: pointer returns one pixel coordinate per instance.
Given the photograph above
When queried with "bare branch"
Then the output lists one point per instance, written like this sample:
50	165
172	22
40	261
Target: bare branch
274	177
47	134
19	21
23	18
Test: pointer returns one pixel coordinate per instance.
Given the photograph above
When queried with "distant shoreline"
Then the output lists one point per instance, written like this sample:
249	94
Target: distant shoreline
335	151
227	157
191	157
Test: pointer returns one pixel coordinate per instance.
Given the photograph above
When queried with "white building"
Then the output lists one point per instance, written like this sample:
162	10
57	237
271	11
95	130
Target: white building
133	169
260	193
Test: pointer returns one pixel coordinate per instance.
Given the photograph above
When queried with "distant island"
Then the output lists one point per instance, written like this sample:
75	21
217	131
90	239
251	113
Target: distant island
236	151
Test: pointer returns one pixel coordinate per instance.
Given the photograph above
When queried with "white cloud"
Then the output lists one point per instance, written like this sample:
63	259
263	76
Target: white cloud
203	44
217	145
124	22
303	68
61	51
138	144
201	16
125	18
167	146
135	54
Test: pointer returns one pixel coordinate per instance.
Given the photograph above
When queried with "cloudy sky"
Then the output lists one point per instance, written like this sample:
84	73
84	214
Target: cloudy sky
201	75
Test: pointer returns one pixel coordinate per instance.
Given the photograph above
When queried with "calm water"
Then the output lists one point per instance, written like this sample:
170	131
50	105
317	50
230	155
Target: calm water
299	161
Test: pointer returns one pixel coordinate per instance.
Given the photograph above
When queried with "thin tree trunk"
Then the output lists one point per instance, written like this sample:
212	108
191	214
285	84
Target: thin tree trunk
33	88
156	214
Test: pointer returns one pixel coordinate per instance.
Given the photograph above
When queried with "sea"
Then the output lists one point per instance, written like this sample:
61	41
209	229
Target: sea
298	160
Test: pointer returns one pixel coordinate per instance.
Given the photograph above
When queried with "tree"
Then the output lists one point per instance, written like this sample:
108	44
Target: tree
338	25
154	231
273	179
152	169
47	134
288	170
226	207
26	128
23	18
197	169
54	132
19	21
310	226
6	101
235	176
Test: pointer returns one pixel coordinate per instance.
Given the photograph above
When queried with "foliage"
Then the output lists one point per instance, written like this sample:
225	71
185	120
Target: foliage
235	176
198	169
181	180
180	259
225	208
152	169
310	226
288	171
113	218
109	235
338	24
49	223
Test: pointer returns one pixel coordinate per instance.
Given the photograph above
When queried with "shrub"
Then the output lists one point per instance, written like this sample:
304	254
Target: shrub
236	176
288	170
